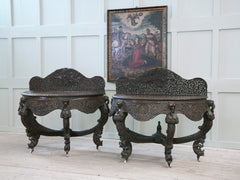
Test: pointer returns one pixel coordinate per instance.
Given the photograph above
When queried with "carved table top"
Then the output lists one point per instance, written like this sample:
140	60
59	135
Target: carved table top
150	94
49	93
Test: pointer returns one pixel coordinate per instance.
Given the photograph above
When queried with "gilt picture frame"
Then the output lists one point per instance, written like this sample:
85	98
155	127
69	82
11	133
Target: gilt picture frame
136	41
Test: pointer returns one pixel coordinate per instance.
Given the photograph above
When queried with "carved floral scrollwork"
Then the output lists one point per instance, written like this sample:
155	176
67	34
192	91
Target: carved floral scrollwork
127	148
161	82
119	119
171	120
101	122
28	121
64	89
197	147
144	111
22	109
33	138
67	80
161	91
66	114
208	118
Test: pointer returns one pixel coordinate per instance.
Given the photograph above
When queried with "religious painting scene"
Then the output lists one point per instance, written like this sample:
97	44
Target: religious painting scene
138	42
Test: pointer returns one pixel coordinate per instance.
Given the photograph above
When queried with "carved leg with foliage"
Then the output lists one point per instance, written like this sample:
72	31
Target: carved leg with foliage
119	119
101	122
29	121
66	114
171	120
207	124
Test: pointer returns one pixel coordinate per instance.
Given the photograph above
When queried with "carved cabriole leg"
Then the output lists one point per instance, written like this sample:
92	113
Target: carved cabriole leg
171	120
66	114
28	120
101	122
119	119
208	118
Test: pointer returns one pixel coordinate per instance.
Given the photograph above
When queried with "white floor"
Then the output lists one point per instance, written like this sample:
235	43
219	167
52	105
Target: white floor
147	162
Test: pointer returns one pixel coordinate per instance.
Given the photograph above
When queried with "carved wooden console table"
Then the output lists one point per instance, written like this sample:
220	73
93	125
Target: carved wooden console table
161	91
64	89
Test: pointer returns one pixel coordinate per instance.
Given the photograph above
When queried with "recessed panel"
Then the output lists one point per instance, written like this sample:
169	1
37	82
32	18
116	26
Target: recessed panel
25	61
4	107
52	120
53	12
186	126
4	13
82	121
4	58
228	119
16	99
24	12
230	7
150	127
195	54
195	8
144	3
85	55
85	11
54	54
113	4
229	54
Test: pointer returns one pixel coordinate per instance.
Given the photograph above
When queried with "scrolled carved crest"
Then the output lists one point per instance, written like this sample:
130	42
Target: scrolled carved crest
161	82
67	80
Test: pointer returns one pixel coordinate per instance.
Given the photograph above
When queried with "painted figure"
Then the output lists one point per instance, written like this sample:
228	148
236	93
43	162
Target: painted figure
137	59
150	48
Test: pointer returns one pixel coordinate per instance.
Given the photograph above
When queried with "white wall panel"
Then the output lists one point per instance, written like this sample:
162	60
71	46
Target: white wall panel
24	12
113	4
230	7
85	11
4	58
229	54
85	54
150	127
52	120
228	125
5	10
4	107
195	8
53	12
25	62
195	54
81	121
54	54
187	127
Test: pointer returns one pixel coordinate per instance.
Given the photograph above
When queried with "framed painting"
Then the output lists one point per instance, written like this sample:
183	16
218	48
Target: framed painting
137	41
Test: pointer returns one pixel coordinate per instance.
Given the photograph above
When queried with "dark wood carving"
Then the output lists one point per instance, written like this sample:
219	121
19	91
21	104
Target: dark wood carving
161	91
161	82
68	80
64	89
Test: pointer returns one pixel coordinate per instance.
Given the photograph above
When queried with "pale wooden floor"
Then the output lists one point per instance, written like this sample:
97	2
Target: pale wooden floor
84	163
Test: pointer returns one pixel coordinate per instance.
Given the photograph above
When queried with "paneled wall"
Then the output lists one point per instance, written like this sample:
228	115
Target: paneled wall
40	36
